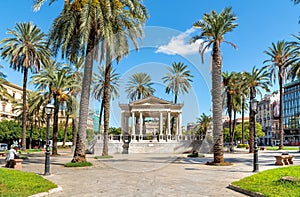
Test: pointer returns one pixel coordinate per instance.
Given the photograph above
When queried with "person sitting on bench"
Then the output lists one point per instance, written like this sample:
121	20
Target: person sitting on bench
12	154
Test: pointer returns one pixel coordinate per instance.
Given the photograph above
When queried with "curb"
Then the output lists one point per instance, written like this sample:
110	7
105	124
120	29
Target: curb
51	191
243	191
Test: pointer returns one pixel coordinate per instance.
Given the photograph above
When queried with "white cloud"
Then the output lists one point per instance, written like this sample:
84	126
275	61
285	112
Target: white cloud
180	45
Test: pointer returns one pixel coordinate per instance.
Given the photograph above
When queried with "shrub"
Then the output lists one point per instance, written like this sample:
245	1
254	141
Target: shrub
243	145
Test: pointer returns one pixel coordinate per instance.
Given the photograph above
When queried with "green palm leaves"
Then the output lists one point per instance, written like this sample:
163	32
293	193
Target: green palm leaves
213	28
139	86
25	49
178	79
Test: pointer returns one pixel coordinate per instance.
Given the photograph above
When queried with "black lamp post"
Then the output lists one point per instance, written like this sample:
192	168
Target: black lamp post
254	107
48	109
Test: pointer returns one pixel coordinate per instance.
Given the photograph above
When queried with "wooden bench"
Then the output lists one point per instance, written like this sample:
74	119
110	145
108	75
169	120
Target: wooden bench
2	154
282	160
15	163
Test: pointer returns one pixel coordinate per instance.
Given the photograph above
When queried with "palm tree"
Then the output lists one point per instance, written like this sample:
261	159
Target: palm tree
178	79
204	122
25	49
79	29
139	86
257	80
98	88
58	82
282	55
214	27
3	90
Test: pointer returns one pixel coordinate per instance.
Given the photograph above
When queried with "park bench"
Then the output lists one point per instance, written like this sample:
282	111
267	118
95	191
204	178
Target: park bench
284	159
15	163
2	154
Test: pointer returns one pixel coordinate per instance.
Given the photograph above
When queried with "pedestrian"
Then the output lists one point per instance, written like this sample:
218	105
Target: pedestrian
12	154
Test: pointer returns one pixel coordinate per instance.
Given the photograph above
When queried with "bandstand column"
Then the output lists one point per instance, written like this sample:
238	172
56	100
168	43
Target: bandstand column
169	129
141	123
179	123
177	126
133	124
123	123
160	123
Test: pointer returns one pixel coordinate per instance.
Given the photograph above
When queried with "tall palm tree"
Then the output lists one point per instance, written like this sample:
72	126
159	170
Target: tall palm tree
58	82
282	55
178	79
25	50
98	88
214	27
139	86
257	80
294	71
232	100
3	90
79	29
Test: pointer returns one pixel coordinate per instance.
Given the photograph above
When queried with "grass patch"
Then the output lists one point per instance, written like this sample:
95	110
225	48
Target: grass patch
209	163
23	157
284	148
271	183
17	183
196	155
103	157
78	164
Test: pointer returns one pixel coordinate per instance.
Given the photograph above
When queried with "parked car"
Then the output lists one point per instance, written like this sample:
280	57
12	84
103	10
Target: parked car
3	147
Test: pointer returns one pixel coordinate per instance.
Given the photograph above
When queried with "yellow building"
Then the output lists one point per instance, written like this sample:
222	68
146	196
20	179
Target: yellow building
7	111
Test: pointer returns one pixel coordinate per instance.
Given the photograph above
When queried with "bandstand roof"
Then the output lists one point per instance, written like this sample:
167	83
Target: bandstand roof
151	102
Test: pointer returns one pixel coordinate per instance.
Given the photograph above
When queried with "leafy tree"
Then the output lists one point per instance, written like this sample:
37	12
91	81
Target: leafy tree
214	27
238	131
25	50
10	131
114	131
139	86
282	55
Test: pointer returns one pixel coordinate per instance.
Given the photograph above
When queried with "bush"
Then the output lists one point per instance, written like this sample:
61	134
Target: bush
243	146
78	164
103	157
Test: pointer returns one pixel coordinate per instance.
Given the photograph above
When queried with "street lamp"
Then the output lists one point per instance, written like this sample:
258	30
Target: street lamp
254	107
48	109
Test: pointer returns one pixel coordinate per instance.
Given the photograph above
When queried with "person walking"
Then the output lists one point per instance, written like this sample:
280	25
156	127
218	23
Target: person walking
12	154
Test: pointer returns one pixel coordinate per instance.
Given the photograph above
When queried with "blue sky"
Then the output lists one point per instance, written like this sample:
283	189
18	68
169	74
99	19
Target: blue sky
167	33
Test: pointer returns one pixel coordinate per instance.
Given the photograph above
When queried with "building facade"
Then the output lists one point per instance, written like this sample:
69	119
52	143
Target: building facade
267	116
7	110
291	113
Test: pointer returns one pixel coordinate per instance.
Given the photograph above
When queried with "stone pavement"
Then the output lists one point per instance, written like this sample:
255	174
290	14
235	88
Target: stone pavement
150	174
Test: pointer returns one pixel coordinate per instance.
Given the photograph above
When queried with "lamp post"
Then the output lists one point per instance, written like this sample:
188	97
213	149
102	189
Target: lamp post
48	109
254	107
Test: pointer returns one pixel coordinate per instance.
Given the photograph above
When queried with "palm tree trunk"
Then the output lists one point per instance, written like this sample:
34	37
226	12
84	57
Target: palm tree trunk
217	104
24	117
100	116
30	135
280	109
106	104
55	125
79	154
173	119
74	131
243	120
66	129
232	132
